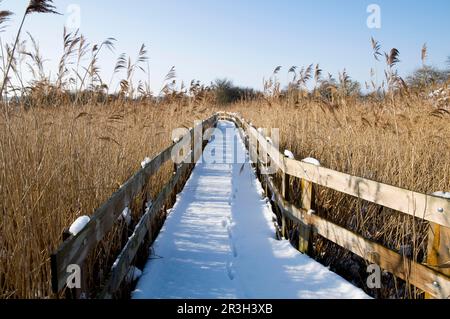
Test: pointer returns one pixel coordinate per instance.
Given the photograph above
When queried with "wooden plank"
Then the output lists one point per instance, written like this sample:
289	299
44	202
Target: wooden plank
126	257
77	248
266	147
198	141
307	200
439	248
418	275
285	185
421	276
438	255
253	148
419	205
430	208
290	211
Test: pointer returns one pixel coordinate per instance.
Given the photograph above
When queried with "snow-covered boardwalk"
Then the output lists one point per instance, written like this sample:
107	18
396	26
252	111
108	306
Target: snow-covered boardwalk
219	241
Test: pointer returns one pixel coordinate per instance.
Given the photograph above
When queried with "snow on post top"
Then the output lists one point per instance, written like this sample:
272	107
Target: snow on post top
289	154
133	274
445	195
126	216
79	225
145	162
311	161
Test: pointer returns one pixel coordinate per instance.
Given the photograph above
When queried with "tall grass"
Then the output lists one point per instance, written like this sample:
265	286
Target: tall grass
59	164
67	143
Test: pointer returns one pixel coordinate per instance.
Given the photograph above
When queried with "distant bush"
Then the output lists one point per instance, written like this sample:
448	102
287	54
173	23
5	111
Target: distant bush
226	92
426	76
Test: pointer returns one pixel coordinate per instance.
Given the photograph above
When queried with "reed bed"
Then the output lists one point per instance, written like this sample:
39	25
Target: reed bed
59	164
68	142
403	144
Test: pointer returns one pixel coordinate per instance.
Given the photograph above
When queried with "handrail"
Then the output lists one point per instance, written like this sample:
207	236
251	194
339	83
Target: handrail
436	210
74	250
427	207
430	277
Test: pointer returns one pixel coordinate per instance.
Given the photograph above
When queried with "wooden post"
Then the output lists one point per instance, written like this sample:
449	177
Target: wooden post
307	198
438	250
192	164
285	184
198	141
175	169
258	162
283	226
175	165
268	133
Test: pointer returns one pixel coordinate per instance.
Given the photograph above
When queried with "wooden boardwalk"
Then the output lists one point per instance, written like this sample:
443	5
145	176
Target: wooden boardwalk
220	241
213	188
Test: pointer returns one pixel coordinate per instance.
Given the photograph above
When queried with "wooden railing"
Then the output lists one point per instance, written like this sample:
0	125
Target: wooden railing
75	249
432	277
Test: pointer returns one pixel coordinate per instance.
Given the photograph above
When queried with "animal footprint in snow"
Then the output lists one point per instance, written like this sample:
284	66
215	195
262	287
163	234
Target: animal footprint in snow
242	169
230	271
224	223
230	233
234	250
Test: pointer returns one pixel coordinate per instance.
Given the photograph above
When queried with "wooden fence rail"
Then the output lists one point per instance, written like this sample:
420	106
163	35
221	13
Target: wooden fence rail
75	249
433	277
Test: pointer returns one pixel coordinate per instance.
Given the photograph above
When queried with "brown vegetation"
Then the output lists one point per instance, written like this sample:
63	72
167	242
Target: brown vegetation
67	144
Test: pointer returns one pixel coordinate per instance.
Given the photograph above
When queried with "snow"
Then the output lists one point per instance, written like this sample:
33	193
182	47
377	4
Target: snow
289	154
145	162
440	97
311	161
133	274
126	216
79	225
220	242
445	195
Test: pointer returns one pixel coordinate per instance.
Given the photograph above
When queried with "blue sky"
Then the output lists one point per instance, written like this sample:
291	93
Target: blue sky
244	40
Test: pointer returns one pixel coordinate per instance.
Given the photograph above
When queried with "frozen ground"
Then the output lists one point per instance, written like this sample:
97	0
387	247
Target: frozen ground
219	241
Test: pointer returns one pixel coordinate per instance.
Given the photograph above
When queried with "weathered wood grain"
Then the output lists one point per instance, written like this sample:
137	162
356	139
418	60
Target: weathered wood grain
76	249
421	276
126	257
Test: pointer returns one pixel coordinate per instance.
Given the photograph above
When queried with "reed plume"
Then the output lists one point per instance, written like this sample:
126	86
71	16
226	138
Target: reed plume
424	54
4	17
35	6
